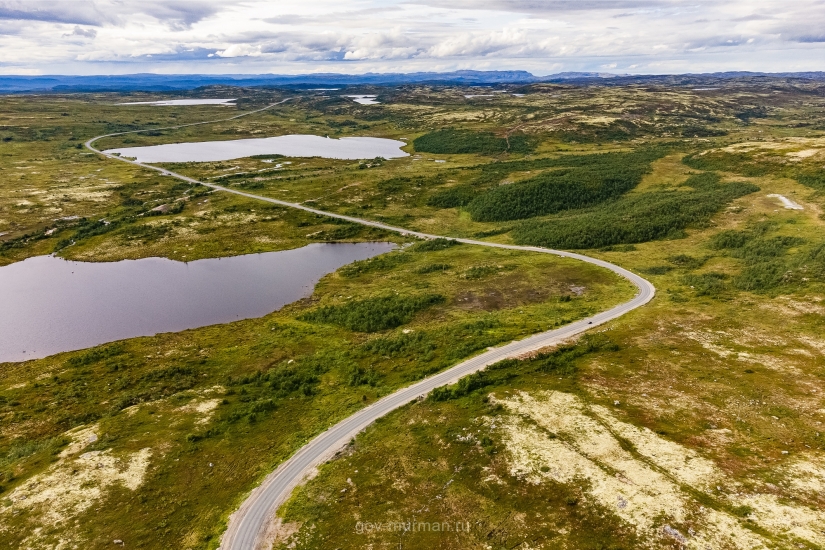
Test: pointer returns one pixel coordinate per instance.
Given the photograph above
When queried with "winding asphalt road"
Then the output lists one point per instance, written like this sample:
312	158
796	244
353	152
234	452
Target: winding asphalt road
248	526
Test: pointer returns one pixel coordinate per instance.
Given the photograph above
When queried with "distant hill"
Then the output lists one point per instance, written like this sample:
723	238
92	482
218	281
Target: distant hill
167	83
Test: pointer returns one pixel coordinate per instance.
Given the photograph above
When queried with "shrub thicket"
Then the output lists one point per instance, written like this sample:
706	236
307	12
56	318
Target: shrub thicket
492	174
561	361
556	191
637	218
374	314
434	244
766	263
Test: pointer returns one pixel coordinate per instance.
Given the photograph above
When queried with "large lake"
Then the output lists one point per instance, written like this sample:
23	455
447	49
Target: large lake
51	305
296	145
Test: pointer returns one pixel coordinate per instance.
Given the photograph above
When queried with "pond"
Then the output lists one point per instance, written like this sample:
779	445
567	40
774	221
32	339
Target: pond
52	305
295	145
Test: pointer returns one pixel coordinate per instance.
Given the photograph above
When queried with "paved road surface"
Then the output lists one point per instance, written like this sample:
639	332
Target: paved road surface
248	525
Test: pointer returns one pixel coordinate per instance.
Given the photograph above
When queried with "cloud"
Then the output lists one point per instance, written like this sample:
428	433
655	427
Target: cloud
240	50
80	31
401	35
176	13
80	13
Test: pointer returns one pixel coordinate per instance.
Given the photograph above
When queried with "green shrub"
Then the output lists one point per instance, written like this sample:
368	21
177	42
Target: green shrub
384	262
432	268
359	376
685	261
96	354
465	386
766	266
706	284
414	343
812	179
479	271
636	218
702	131
433	245
657	270
729	238
580	185
374	314
453	197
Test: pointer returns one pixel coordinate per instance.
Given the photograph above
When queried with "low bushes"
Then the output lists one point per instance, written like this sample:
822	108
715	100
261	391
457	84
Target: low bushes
374	314
637	218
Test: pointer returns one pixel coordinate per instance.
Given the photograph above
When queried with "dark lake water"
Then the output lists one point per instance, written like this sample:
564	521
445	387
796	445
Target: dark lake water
49	305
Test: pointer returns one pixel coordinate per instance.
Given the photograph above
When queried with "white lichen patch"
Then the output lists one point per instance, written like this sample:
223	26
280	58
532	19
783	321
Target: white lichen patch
805	153
650	483
205	409
801	144
73	484
81	437
686	465
807	476
785	519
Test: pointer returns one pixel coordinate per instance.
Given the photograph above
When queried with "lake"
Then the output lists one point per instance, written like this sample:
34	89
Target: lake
364	99
52	305
173	102
295	145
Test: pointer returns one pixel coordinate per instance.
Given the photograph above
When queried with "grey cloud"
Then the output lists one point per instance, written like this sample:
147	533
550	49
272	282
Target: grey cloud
179	13
808	38
176	13
550	6
288	19
754	17
54	12
80	31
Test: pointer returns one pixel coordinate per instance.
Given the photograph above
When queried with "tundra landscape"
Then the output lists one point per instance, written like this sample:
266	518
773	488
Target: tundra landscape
692	420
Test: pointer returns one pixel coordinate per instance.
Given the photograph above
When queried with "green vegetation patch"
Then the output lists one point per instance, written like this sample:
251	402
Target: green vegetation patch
374	314
555	191
767	261
454	142
636	218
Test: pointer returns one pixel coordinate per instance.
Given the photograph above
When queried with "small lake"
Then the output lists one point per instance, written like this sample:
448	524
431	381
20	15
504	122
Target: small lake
295	145
173	102
364	99
52	305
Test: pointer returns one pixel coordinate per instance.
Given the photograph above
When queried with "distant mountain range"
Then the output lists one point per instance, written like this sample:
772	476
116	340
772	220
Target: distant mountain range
166	83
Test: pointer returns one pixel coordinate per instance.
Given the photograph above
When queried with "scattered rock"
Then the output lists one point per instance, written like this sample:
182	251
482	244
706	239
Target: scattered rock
673	533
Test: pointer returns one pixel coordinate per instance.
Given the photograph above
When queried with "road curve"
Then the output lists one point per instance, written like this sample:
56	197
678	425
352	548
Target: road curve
248	526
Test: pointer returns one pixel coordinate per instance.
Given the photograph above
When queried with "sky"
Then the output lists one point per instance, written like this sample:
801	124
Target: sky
358	36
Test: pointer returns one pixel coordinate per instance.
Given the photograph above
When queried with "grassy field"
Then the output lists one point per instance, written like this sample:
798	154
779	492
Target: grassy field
696	420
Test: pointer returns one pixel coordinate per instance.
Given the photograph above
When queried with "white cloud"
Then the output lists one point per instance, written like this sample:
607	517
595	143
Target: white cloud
240	50
399	35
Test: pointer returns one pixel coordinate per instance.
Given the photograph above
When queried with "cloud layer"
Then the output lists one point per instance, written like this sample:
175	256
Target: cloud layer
353	36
